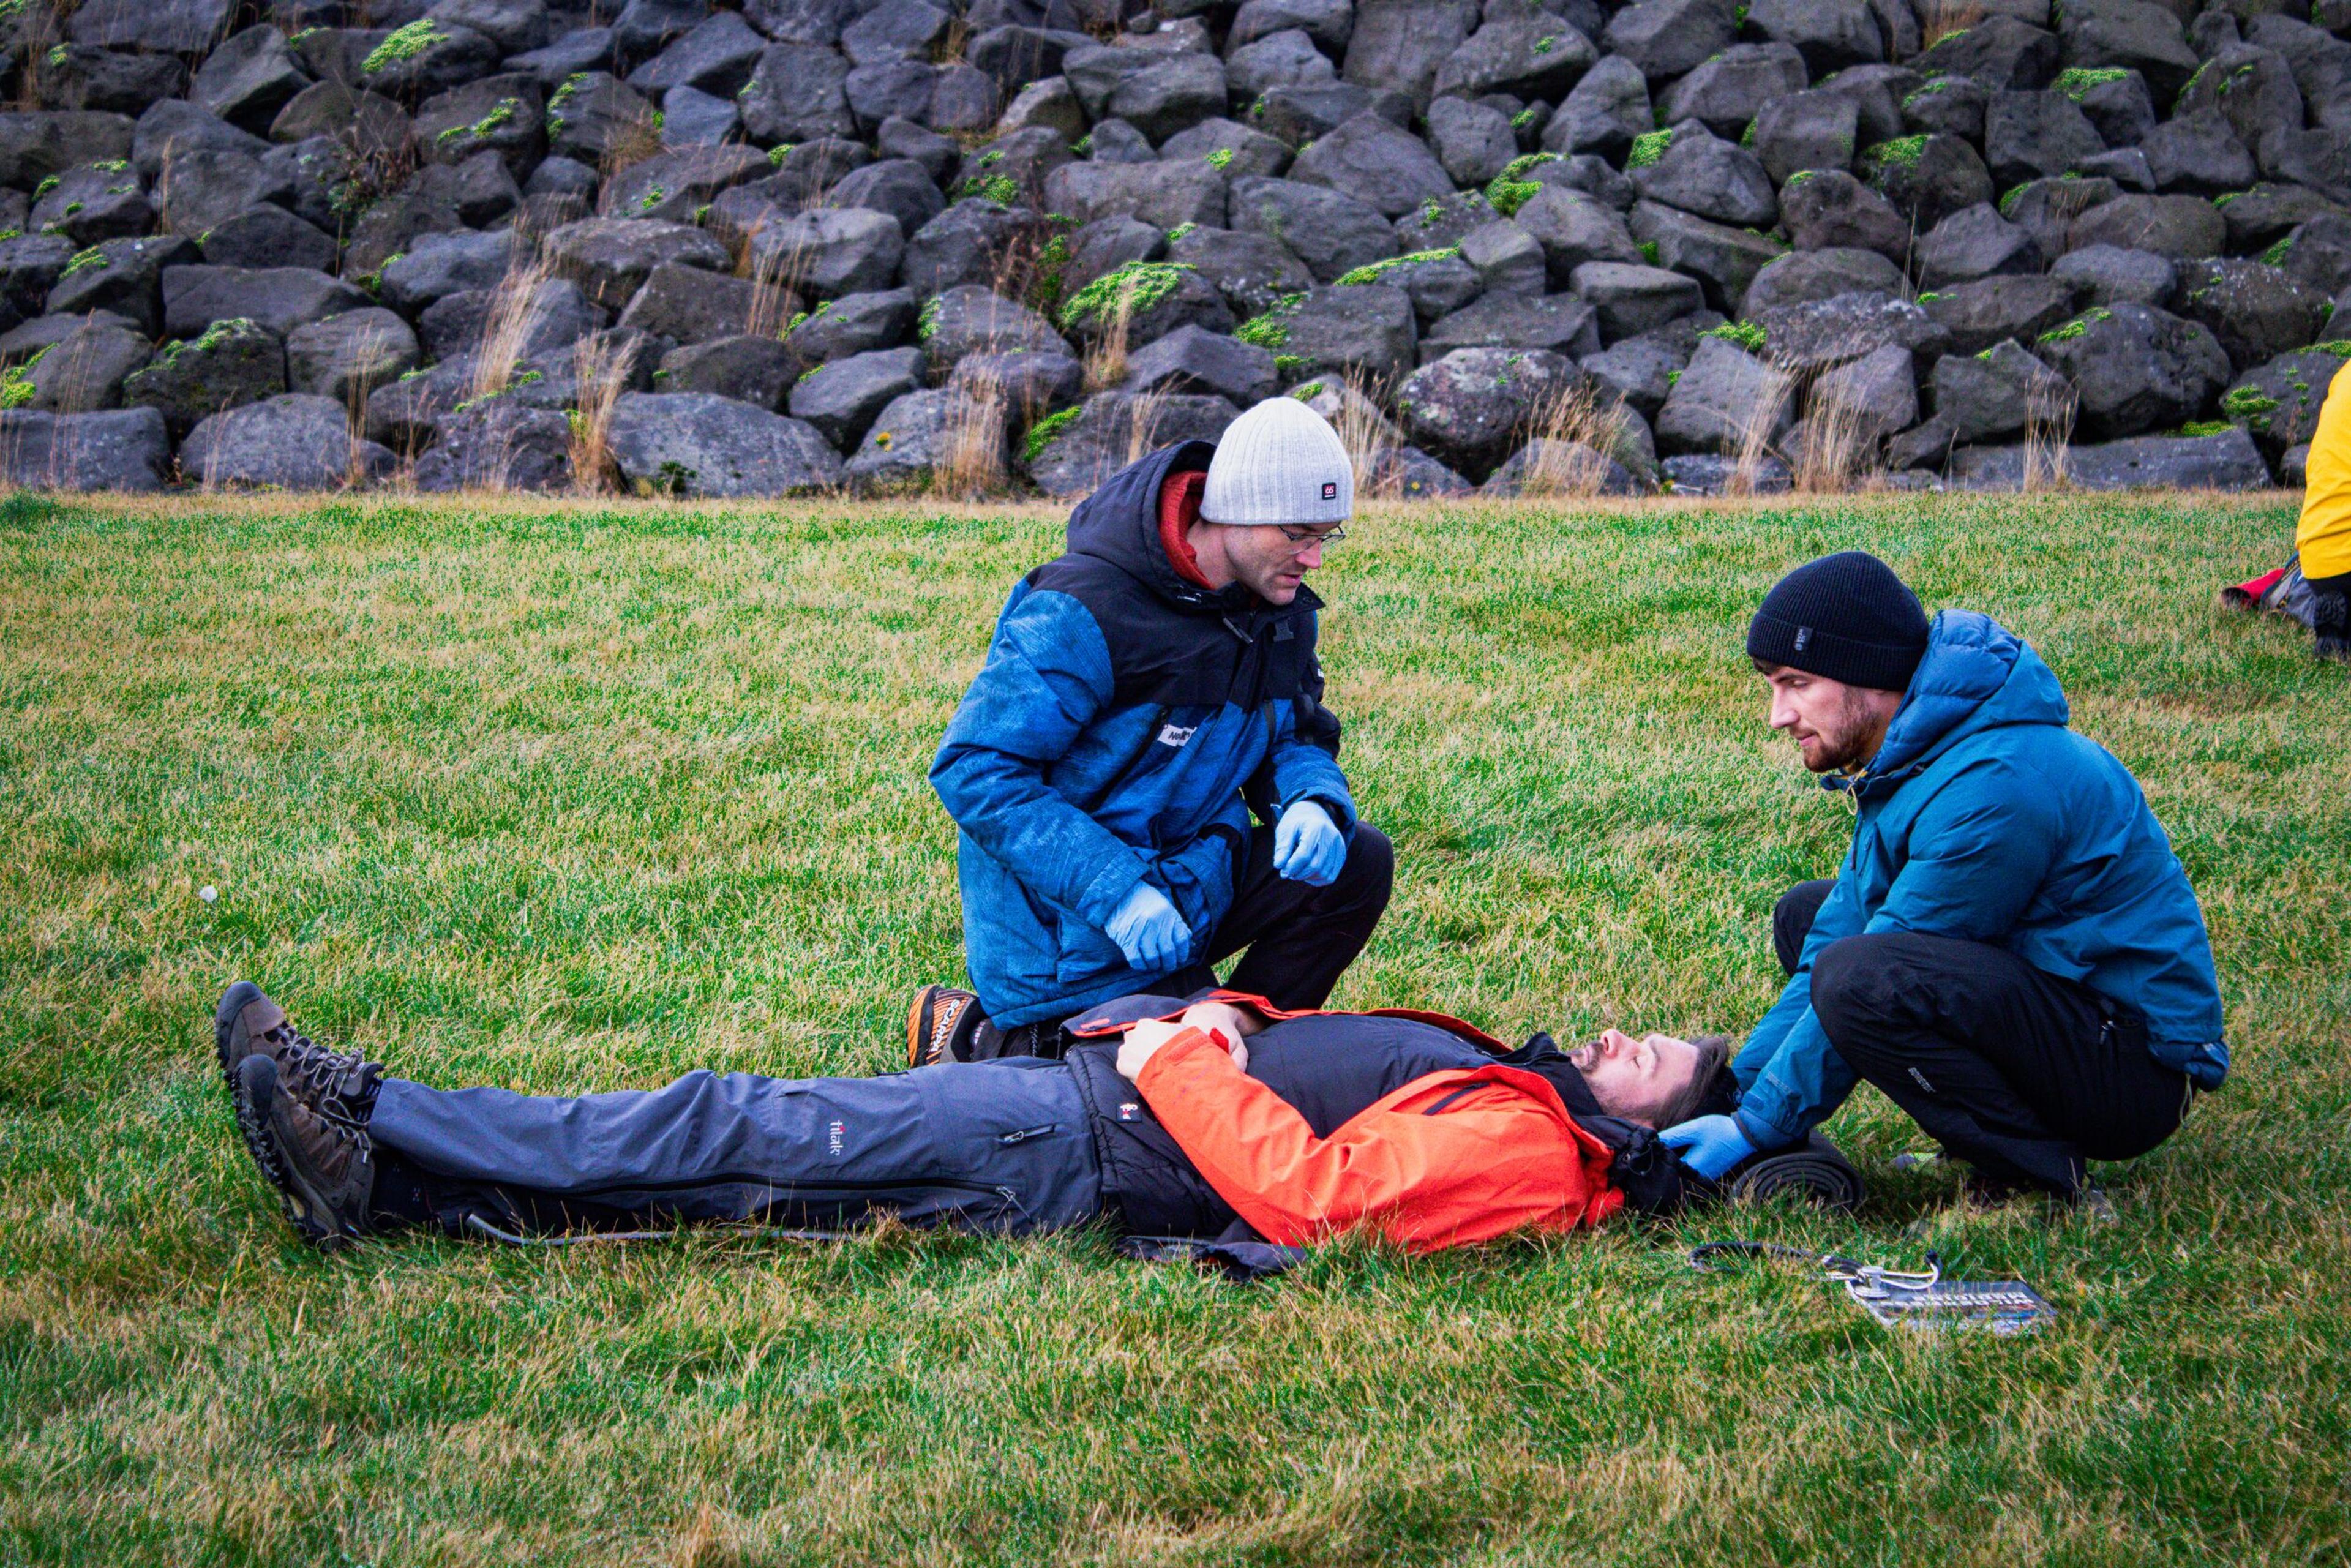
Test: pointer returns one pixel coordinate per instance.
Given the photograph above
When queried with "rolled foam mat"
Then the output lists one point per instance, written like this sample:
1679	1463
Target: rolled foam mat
1818	1173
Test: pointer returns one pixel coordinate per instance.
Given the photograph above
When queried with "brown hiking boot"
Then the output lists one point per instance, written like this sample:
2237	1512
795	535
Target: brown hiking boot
940	1026
248	1023
323	1167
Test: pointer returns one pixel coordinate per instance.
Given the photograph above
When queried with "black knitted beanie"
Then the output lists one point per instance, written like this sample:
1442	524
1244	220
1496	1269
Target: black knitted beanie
1844	616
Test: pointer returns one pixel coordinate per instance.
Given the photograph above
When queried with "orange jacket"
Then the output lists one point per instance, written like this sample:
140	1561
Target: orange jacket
1448	1160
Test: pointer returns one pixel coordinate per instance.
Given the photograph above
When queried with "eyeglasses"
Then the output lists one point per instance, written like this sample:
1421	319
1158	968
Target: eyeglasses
1302	537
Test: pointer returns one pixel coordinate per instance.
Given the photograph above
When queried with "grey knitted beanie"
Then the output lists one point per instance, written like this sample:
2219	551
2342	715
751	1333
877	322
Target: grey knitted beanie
1279	464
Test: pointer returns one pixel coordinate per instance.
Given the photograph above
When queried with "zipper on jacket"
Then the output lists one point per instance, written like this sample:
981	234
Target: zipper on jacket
1025	1133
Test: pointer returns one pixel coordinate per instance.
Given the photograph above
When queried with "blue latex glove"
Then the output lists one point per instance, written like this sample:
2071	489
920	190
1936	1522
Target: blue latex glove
1307	846
1149	931
1709	1145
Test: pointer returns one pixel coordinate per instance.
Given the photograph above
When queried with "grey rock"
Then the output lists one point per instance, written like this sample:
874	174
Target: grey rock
1972	243
1732	89
1528	55
1985	396
797	93
1443	222
1719	398
292	442
2103	273
1558	322
1927	180
1170	95
2047	209
971	320
451	56
1402	44
514	25
347	357
587	49
268	236
1829	34
78	76
234	362
1803	277
1375	164
2278	403
2145	39
1549	467
1110	425
206	188
2135	367
501	114
89	204
938	155
716	56
1329	23
1805	130
1709	473
1014	55
672	186
1629	299
1474	141
85	369
1948	106
2035	133
693	118
2002	53
1819	334
898	187
1049	104
695	305
279	298
897	89
692	443
1278	59
2200	153
2260	217
1979	315
894	30
2256	312
1032	385
1252	271
1574	230
367	123
443	264
126	450
2126	168
920	433
1505	258
594	114
1408	474
1191	359
30	266
1367	330
549	318
1163	194
610	258
853	324
123	277
165	26
1329	233
2226	462
645	26
759	371
2122	111
1831	210
1247	151
1604	112
1473	405
1724	260
497	443
1641	371
1703	174
1158	300
1296	114
167	132
248	79
1863	402
974	241
2180	228
1668	37
840	398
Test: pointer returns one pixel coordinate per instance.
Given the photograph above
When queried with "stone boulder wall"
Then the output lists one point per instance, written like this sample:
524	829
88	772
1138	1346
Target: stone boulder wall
807	245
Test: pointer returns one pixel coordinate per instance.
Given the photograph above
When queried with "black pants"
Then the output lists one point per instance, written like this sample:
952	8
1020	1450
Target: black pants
2332	609
2021	1074
1300	939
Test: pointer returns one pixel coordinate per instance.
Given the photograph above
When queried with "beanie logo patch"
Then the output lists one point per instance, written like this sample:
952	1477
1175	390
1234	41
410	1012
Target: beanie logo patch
1330	489
1804	638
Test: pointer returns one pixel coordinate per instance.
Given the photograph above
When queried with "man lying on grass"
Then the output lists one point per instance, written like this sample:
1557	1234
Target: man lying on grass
2011	950
1223	1119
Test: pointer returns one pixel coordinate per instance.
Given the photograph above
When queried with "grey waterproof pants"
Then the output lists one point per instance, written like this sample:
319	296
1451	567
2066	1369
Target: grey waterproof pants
999	1147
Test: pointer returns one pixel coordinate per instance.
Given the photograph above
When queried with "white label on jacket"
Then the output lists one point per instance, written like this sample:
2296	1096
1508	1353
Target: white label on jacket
1176	735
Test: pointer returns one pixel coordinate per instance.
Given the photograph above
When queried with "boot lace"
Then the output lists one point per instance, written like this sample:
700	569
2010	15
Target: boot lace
342	1085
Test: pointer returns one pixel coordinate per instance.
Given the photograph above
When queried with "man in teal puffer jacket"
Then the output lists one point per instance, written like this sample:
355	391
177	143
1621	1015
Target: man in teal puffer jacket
2011	951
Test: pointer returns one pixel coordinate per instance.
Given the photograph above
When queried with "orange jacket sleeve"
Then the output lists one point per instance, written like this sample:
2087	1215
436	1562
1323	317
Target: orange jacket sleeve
1450	1159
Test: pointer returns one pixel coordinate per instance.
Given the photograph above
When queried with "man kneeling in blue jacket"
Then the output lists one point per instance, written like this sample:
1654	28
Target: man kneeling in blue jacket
2011	951
1143	695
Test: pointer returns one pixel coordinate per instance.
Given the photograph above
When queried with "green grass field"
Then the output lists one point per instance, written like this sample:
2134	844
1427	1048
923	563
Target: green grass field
567	799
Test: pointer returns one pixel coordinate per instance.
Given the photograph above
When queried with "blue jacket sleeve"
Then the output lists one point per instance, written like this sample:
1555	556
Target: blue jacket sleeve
1301	771
1048	673
1977	853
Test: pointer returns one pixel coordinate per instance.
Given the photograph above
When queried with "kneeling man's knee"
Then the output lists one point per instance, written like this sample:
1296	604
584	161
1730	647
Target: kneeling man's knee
1371	862
1850	989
